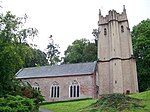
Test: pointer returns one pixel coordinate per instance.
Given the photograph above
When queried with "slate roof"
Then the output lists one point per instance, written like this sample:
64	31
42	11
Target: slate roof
57	70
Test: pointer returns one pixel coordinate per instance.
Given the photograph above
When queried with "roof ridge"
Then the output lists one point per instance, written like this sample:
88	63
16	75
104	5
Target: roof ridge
57	65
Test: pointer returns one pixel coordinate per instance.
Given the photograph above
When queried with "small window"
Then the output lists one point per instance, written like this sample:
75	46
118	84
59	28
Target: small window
55	90
122	28
36	86
105	31
74	89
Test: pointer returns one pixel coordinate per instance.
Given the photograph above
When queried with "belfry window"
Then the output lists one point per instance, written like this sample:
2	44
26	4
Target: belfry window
36	86
122	28
74	89
105	31
55	90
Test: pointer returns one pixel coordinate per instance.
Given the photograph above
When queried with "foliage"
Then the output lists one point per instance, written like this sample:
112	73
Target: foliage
17	103
81	51
53	52
40	58
9	62
15	52
12	30
141	47
32	57
28	92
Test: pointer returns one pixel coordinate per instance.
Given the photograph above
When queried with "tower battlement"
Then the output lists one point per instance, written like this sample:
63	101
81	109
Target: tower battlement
112	16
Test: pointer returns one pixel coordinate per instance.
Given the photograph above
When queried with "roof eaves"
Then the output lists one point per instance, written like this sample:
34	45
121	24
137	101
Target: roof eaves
19	71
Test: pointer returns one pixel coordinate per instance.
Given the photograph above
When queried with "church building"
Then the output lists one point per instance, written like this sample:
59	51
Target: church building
113	72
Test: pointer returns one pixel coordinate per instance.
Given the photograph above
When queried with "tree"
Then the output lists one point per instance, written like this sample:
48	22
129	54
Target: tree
12	31
141	48
40	58
81	51
32	57
53	52
15	52
9	62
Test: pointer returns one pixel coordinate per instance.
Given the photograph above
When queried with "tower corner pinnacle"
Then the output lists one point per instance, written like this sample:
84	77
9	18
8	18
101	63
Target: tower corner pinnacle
99	11
124	9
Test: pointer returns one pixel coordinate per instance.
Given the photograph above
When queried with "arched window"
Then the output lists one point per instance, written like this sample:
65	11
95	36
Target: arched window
74	89
122	28
105	31
55	90
36	86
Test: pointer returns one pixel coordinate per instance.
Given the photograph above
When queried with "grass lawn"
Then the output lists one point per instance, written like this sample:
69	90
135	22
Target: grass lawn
142	105
145	97
70	106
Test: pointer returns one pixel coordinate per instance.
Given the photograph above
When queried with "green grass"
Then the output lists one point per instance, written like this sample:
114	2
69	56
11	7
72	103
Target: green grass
145	97
69	106
139	102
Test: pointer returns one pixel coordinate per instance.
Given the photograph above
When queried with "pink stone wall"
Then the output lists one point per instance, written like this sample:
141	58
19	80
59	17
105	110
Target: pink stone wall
86	83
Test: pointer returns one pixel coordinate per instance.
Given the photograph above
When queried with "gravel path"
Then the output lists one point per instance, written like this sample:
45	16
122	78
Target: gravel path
43	110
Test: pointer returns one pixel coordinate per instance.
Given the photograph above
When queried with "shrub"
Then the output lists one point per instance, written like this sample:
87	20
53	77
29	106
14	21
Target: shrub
36	95
10	103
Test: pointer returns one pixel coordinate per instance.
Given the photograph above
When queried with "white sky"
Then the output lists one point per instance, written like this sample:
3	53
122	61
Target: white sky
68	20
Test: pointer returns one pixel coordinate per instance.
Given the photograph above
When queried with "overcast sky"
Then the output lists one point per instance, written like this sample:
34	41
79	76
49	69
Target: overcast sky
68	20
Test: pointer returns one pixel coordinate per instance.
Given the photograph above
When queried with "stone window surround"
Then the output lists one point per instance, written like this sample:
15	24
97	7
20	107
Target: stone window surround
36	86
55	90
75	86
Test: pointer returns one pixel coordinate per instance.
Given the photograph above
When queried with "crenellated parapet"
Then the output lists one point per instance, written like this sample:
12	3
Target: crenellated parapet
112	16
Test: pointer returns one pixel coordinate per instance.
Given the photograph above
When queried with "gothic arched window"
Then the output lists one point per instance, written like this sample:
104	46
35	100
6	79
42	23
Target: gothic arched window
36	86
74	89
122	28
55	90
105	31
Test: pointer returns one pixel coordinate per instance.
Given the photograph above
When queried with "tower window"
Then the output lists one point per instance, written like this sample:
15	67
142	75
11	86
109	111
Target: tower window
55	90
74	89
122	28
105	31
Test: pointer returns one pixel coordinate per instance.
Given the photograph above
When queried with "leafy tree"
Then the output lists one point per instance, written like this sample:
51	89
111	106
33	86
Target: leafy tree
29	92
12	31
53	52
141	47
9	62
32	57
15	53
81	51
40	58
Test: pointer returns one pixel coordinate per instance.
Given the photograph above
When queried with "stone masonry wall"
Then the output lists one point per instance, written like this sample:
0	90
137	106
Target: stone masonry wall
86	83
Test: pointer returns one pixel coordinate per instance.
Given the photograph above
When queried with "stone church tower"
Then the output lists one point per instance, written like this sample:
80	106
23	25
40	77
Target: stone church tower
116	63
